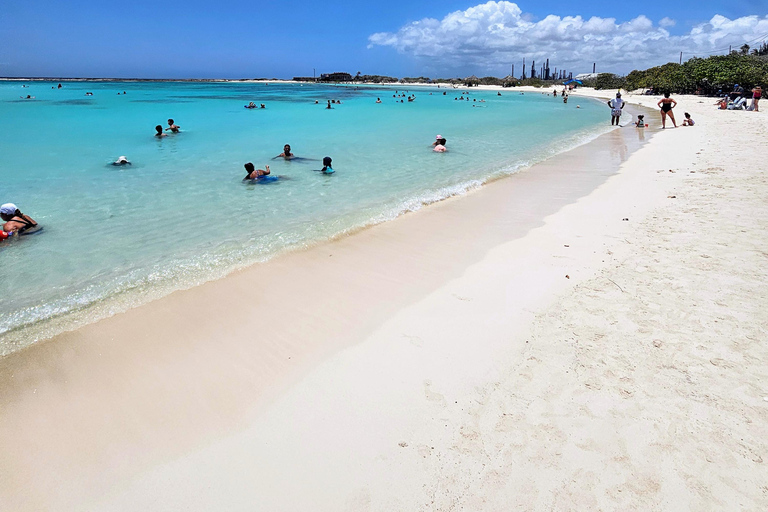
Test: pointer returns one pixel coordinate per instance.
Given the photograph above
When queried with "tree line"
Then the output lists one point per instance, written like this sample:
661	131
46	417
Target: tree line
710	76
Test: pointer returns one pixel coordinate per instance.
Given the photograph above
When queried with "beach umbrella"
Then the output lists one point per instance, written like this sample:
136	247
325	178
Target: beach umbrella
572	80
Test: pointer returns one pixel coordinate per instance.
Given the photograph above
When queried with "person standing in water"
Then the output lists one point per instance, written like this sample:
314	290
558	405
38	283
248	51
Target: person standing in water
667	104
160	134
286	153
616	104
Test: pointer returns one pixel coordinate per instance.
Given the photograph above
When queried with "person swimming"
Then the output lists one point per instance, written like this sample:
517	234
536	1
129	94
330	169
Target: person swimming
253	173
174	128
327	169
15	221
122	160
159	130
286	153
251	105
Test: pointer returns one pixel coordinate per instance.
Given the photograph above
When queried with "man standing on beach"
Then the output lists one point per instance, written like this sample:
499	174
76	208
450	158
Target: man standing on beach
616	104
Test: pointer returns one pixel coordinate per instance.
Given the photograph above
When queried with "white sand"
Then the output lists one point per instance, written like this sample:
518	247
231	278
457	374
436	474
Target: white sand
497	383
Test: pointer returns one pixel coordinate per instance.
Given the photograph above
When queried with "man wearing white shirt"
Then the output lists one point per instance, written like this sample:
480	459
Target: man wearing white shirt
616	104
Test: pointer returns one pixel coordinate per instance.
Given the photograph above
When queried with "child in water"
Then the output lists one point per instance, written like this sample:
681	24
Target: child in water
640	121
254	173
327	169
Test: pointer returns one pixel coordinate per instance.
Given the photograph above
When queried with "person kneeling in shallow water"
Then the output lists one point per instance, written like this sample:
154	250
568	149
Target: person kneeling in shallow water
15	221
254	173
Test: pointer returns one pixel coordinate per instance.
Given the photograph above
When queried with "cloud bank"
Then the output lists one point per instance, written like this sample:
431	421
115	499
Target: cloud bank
494	35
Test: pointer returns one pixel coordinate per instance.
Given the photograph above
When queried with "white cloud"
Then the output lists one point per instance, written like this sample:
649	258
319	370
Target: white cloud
491	36
667	22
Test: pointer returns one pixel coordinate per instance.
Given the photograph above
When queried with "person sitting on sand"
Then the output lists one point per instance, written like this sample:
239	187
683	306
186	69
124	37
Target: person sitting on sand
254	173
688	121
667	104
160	133
640	121
172	127
122	160
617	105
286	153
15	221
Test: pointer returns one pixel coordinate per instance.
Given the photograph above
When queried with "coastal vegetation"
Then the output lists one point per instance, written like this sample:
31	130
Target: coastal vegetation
710	75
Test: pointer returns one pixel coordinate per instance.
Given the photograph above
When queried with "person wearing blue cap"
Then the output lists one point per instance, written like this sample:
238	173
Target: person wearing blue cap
737	92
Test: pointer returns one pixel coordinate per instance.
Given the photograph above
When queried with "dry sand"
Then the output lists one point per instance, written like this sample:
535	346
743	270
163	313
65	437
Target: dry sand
521	348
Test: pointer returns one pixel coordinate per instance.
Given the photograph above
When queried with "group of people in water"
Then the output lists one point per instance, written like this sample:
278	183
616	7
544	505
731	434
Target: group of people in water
172	127
254	175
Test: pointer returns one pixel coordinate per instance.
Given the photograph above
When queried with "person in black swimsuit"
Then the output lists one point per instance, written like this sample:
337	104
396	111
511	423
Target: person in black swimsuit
15	220
667	104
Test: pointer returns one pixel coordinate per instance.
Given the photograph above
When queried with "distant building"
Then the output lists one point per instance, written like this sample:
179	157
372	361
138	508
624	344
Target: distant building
585	76
335	77
304	79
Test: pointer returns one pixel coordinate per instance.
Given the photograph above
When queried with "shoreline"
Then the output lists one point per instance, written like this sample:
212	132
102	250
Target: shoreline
42	331
167	336
476	375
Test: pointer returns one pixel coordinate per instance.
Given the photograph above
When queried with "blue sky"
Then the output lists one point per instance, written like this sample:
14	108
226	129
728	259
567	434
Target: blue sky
236	39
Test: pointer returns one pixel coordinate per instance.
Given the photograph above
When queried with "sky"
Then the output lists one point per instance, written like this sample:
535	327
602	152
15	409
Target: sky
451	38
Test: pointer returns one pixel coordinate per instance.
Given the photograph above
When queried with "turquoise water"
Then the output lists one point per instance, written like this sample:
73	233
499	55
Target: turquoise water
115	237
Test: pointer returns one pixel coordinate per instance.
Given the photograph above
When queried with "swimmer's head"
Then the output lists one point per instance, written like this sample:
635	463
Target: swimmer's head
121	160
287	149
159	129
327	161
438	137
170	121
249	168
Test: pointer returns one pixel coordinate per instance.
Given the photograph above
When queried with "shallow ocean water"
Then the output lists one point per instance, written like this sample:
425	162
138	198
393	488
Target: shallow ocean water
115	237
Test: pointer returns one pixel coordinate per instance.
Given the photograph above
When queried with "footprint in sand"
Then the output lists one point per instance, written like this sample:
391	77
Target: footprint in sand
431	395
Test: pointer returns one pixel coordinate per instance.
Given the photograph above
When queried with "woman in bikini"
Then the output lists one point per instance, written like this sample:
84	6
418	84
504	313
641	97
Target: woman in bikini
667	104
757	93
